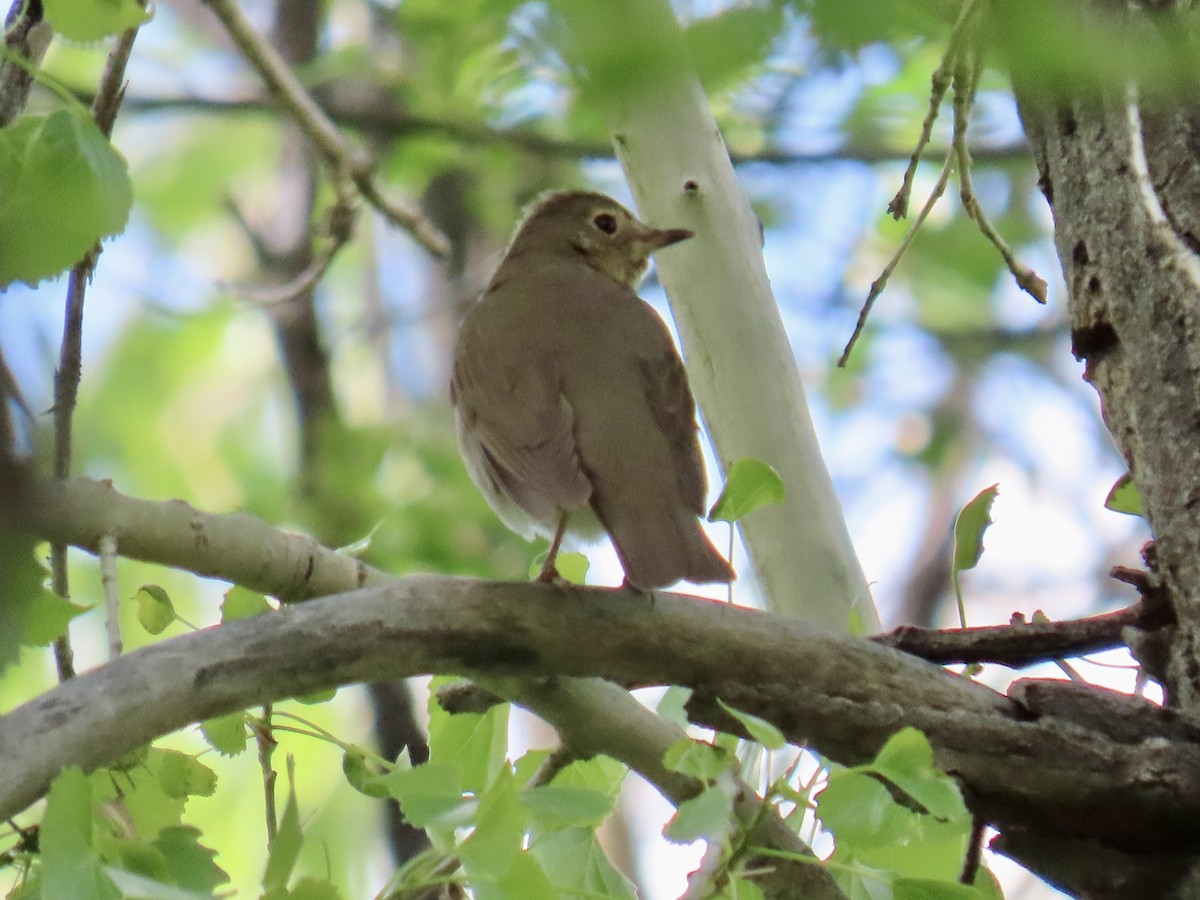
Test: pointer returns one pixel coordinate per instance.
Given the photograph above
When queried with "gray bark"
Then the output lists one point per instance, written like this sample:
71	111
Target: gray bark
1119	163
1065	775
1122	174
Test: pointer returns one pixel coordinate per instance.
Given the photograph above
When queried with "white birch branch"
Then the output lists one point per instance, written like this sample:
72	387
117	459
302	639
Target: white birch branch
741	367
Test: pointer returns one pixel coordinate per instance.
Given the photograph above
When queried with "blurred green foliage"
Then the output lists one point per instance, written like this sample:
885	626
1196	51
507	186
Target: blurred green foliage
184	396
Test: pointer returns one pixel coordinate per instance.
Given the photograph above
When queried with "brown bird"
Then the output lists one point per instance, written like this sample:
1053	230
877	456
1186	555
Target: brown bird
573	409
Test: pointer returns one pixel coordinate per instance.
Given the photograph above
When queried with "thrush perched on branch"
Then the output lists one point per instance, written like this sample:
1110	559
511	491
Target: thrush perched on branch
573	410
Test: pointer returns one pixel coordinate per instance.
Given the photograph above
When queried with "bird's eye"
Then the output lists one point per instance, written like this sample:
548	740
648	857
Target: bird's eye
606	223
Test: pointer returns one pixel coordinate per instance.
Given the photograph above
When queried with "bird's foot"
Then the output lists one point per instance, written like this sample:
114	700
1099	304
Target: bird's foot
549	575
629	586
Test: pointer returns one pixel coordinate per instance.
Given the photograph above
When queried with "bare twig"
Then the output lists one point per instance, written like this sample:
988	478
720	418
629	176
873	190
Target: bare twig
966	78
560	757
11	402
346	161
1025	643
264	737
66	378
339	227
974	855
112	603
394	121
878	285
939	84
26	37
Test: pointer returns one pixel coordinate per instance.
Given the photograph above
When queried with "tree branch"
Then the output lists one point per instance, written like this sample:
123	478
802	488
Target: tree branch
26	36
1047	761
344	159
390	120
679	171
1111	171
1026	643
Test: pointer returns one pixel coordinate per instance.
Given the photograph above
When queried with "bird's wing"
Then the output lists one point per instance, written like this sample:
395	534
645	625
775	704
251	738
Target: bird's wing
640	445
511	402
674	412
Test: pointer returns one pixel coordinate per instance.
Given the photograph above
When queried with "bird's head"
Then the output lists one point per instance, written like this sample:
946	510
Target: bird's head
596	229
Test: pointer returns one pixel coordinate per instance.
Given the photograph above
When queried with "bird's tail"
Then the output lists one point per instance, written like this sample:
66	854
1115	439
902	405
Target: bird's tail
655	553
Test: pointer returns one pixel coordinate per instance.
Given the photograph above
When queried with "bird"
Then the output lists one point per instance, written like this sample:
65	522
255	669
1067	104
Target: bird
572	407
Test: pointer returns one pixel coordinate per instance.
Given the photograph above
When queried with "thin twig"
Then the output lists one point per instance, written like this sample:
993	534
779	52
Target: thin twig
974	855
339	226
26	37
12	401
265	739
345	160
112	603
66	377
939	84
394	121
1023	643
66	389
880	283
965	81
560	757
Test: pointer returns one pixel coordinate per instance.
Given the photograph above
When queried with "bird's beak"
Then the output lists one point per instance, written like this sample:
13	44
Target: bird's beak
657	238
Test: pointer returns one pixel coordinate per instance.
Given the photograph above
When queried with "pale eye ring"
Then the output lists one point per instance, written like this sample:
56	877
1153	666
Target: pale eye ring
606	222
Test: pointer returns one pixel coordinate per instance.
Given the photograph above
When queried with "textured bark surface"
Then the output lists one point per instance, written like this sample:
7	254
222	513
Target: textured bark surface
1120	168
1123	180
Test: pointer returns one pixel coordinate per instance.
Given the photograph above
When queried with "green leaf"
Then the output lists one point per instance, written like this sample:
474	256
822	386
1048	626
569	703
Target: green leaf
285	851
361	546
190	864
499	832
226	734
154	608
576	864
524	880
136	857
23	577
969	527
751	484
696	758
723	46
431	794
906	760
316	698
91	20
476	742
600	773
148	809
134	886
50	164
743	888
529	764
898	814
707	815
673	705
48	617
1124	497
242	603
758	728
180	775
309	888
860	812
571	566
363	777
553	806
928	889
70	868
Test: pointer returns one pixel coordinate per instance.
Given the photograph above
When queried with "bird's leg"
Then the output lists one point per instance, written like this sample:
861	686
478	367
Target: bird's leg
549	574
